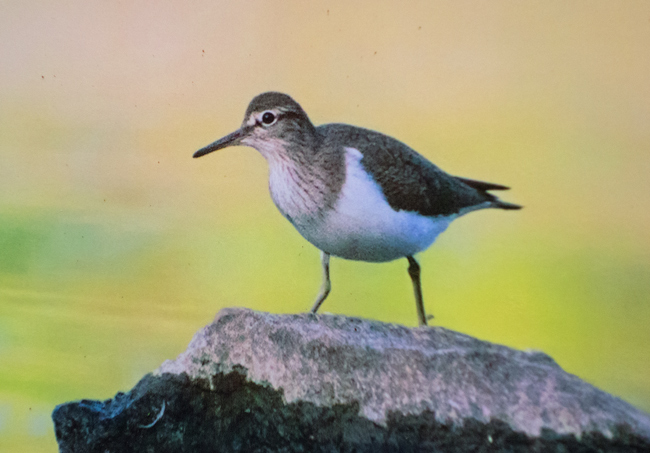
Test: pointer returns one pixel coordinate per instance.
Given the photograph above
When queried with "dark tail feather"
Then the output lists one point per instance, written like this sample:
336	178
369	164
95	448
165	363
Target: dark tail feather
481	185
505	205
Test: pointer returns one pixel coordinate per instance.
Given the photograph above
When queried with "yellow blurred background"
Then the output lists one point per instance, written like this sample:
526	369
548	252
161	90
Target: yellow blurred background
116	246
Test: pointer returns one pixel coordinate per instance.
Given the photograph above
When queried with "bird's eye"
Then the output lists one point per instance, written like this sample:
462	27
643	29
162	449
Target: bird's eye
268	118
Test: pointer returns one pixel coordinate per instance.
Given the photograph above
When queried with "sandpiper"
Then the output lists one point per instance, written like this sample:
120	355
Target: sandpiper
353	192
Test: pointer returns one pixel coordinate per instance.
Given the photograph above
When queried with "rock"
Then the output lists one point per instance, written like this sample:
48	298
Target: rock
254	381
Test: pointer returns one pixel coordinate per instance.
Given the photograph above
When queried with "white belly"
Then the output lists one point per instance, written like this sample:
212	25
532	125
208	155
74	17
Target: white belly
364	227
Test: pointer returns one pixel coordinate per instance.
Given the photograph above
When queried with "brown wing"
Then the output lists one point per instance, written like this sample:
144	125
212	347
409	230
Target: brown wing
409	181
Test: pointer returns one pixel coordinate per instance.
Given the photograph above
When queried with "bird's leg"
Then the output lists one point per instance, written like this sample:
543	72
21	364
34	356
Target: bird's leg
414	272
326	286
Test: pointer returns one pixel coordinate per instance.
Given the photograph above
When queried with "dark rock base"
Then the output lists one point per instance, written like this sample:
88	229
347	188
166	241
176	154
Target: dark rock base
171	413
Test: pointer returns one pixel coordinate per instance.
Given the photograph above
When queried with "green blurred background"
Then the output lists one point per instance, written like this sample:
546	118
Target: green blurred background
116	246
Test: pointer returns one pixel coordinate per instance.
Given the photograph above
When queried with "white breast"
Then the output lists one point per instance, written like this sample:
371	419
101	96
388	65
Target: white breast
364	227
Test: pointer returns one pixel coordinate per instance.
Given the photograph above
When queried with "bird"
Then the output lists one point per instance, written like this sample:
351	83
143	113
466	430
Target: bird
352	192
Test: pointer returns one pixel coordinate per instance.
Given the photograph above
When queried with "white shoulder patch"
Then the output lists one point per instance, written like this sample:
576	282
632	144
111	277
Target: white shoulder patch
353	153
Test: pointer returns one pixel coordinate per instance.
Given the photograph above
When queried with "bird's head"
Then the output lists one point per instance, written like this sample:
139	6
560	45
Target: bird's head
274	123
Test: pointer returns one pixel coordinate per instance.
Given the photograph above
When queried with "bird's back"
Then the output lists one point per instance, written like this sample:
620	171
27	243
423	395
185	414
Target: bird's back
409	181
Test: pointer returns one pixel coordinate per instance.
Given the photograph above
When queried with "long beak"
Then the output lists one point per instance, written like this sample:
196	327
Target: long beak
229	140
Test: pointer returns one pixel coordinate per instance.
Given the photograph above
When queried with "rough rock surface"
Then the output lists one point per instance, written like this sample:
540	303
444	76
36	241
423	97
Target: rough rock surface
254	381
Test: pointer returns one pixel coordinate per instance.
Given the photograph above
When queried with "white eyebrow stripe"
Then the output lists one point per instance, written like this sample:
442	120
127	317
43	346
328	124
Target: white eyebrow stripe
256	117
